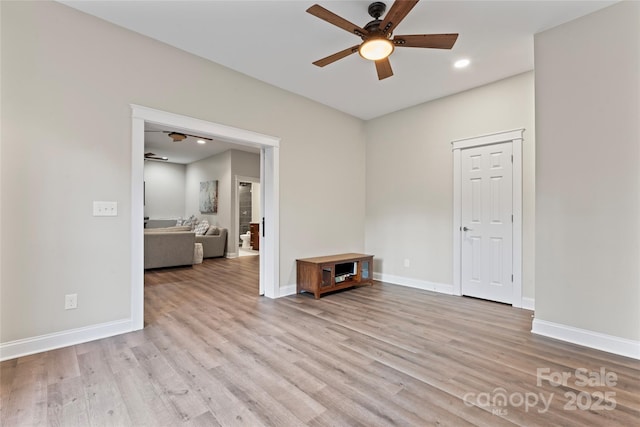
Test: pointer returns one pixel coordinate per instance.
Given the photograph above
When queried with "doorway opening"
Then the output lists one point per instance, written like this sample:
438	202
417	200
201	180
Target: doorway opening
248	215
269	178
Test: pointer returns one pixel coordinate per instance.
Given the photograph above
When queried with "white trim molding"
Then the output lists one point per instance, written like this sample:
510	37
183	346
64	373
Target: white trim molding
584	337
528	303
414	283
514	136
39	344
285	291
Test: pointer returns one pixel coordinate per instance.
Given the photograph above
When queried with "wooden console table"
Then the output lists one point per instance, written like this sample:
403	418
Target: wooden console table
324	274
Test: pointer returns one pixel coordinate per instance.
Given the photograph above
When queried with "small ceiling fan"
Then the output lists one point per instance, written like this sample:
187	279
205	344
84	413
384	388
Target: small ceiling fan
152	156
377	42
179	136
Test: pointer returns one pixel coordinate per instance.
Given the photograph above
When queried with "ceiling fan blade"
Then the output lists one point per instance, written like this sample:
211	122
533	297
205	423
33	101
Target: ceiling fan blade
333	58
396	14
152	156
434	41
383	67
326	15
198	137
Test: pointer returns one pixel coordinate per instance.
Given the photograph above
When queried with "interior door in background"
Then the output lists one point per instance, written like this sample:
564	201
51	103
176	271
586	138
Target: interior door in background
487	222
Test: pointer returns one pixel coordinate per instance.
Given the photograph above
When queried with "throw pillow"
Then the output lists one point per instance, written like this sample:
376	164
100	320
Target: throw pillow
192	221
202	228
213	231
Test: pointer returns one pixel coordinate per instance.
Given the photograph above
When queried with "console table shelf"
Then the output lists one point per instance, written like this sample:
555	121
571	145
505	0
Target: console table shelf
324	274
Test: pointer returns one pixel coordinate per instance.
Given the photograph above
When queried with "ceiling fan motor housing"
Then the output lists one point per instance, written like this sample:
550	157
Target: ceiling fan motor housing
373	27
376	9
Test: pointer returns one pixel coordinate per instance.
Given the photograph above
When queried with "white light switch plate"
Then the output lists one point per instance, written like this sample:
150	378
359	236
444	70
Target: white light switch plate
105	208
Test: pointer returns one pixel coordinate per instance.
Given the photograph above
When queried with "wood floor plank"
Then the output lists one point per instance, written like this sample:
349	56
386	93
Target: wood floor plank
143	402
105	405
66	404
225	407
267	408
170	386
214	353
26	403
62	364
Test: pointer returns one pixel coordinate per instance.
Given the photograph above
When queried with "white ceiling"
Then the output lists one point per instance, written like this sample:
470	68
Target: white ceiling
277	41
158	142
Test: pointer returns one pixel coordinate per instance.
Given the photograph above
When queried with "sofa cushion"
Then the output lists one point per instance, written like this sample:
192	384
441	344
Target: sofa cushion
212	231
168	229
202	228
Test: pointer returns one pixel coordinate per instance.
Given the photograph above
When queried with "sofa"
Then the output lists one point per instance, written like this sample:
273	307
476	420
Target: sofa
168	248
174	246
214	244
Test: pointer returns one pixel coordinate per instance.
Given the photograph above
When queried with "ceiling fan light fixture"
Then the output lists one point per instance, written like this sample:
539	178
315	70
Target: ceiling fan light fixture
376	48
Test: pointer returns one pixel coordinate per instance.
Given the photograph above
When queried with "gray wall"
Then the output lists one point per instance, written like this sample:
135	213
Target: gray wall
224	167
410	177
212	168
164	187
68	80
247	165
587	177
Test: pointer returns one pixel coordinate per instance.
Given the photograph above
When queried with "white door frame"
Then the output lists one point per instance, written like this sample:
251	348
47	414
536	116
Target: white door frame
269	147
515	137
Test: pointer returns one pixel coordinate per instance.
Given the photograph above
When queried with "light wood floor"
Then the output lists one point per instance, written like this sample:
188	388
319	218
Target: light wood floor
214	353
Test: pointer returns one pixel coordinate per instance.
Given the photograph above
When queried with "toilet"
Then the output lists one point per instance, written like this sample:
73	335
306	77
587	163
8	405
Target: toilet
246	243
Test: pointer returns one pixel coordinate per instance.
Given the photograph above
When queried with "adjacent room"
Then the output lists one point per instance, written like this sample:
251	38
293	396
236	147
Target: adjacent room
211	186
287	213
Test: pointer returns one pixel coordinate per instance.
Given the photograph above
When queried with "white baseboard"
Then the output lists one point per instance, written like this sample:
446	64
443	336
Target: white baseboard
287	290
597	340
231	255
414	283
528	303
26	346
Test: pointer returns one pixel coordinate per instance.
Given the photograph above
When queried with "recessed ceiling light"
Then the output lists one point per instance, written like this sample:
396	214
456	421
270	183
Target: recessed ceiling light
461	63
202	141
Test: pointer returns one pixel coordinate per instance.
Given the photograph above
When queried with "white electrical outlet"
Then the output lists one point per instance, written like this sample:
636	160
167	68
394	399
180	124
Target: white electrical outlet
70	301
407	263
105	208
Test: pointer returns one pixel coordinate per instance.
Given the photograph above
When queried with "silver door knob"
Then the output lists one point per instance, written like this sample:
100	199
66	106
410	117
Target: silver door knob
466	229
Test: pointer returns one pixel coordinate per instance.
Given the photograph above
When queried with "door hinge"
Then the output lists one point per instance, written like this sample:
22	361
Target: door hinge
512	278
512	158
262	226
511	217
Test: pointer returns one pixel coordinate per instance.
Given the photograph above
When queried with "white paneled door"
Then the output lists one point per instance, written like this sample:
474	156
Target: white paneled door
487	222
